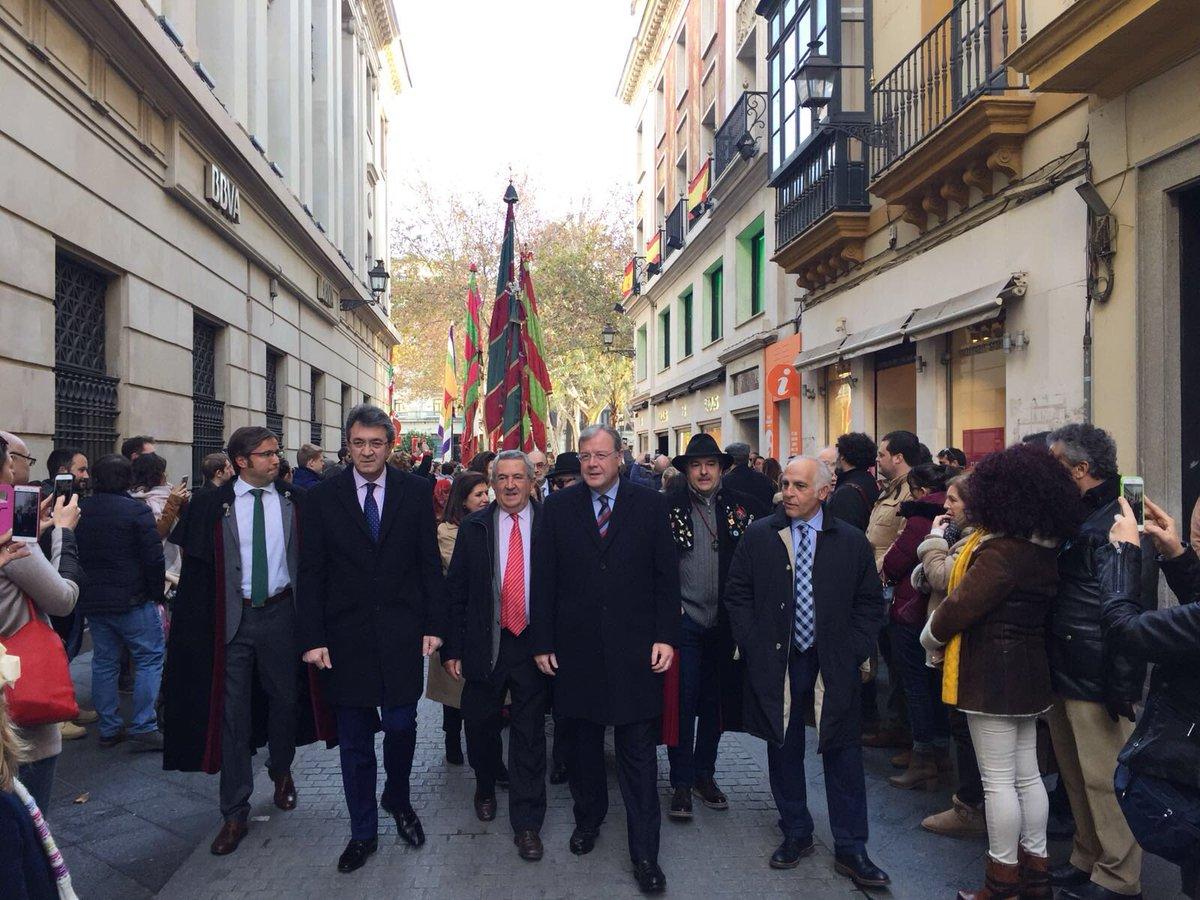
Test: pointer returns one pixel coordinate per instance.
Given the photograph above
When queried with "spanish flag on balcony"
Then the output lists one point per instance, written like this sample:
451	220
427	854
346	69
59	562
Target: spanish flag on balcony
698	190
628	280
654	250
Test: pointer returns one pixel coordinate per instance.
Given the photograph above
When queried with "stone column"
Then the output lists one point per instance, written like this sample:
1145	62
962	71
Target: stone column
223	41
283	108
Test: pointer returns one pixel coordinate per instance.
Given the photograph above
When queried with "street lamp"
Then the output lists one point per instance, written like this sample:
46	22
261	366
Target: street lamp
607	334
379	278
814	79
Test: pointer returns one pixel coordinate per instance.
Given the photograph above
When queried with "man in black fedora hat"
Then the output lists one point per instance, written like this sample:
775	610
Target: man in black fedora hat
565	472
707	521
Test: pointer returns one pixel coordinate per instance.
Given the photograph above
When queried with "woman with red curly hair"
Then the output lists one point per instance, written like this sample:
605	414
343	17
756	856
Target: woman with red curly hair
992	625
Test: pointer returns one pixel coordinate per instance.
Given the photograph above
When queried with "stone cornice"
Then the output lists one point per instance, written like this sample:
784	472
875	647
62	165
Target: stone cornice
645	44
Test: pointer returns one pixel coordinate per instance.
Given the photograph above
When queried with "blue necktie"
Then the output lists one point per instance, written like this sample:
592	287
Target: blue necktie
371	510
804	631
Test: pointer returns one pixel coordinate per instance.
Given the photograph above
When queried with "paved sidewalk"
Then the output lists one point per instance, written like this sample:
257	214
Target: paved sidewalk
144	832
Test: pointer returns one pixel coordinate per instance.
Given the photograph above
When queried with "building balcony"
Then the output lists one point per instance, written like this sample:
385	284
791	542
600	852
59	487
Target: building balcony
1106	47
821	210
741	134
951	115
677	226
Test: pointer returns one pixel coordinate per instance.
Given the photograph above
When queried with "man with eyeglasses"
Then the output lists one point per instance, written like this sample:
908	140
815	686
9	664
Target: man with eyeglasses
18	452
605	618
371	605
234	625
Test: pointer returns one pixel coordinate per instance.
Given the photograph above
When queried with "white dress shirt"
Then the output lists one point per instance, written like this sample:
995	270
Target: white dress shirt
611	494
361	484
815	524
525	520
243	506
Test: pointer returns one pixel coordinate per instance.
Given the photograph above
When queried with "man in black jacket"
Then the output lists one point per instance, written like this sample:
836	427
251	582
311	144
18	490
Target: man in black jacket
1096	683
371	603
856	492
605	625
488	644
745	480
804	599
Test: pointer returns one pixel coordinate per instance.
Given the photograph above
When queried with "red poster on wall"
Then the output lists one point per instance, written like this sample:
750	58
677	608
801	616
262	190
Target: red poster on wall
979	442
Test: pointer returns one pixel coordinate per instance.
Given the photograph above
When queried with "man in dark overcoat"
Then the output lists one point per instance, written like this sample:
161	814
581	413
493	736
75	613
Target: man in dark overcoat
237	633
488	645
707	521
371	604
605	625
805	604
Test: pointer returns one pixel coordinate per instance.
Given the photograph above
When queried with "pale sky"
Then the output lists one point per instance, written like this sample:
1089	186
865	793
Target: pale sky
526	83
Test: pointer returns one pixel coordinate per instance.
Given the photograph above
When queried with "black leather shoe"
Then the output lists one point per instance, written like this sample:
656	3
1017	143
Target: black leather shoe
529	845
558	774
454	753
502	778
681	805
407	824
485	807
1067	875
356	854
583	840
1089	890
788	854
859	869
650	878
710	795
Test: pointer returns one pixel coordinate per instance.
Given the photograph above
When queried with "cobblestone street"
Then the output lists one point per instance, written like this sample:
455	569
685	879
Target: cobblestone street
144	832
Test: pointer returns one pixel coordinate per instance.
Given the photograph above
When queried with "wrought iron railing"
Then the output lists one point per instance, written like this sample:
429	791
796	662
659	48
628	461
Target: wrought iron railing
85	411
314	434
275	425
676	228
824	178
742	131
208	431
961	58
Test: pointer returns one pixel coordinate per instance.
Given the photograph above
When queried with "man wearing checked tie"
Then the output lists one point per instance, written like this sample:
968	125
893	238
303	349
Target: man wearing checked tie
488	645
805	605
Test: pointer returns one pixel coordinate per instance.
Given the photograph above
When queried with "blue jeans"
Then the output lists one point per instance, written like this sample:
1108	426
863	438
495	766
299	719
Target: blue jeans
699	726
845	784
140	629
356	727
926	713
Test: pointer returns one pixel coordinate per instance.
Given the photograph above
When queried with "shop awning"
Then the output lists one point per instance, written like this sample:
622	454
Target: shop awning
878	337
820	355
966	309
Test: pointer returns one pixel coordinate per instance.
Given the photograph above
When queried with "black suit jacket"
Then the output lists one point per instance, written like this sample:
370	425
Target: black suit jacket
761	598
599	604
745	480
370	603
472	594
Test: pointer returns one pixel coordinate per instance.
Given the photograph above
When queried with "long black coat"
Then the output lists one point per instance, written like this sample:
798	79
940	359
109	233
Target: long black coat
599	605
195	660
370	603
761	599
471	594
746	480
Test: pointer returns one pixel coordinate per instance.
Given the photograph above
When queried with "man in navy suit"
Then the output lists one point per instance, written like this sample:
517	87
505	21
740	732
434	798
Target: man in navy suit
371	603
605	611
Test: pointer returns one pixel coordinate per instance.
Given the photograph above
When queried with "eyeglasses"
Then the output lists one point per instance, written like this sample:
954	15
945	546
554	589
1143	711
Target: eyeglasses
586	458
376	444
25	456
267	453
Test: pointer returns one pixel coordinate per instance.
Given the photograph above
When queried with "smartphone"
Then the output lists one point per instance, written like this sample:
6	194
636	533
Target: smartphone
1133	489
184	480
6	508
27	501
64	486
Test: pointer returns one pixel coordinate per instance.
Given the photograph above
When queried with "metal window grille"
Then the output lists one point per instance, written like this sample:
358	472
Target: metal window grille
274	417
314	405
85	397
208	413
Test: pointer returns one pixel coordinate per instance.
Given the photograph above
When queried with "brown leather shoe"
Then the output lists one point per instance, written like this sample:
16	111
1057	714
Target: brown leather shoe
285	792
887	736
485	807
229	837
529	845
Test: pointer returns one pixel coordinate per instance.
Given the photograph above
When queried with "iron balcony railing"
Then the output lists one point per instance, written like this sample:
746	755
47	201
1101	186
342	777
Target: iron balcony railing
961	58
742	131
824	178
676	228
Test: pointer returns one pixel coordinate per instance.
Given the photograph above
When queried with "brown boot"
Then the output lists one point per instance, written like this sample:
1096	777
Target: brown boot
228	837
902	760
961	820
1003	882
285	791
887	736
921	774
1035	876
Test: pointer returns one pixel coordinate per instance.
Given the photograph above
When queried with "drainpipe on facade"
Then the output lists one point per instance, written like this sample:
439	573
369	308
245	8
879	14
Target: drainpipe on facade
1087	359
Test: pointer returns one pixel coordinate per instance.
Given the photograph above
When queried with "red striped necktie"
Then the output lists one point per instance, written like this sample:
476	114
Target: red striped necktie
604	515
512	589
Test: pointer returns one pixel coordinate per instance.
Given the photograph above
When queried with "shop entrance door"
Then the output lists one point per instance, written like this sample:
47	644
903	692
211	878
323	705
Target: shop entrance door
895	390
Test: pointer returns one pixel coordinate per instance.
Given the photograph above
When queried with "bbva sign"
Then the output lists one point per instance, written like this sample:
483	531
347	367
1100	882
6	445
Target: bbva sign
221	192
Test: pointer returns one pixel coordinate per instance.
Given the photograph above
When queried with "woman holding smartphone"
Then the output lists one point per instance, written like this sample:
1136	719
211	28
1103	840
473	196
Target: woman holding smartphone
53	586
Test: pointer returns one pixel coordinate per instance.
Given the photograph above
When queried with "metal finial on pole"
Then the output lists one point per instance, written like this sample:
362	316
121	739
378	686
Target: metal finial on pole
510	195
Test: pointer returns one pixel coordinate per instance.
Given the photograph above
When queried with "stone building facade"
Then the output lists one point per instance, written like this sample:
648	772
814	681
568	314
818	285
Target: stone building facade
193	194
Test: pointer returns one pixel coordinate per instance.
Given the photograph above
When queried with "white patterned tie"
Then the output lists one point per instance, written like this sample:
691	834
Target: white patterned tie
804	630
